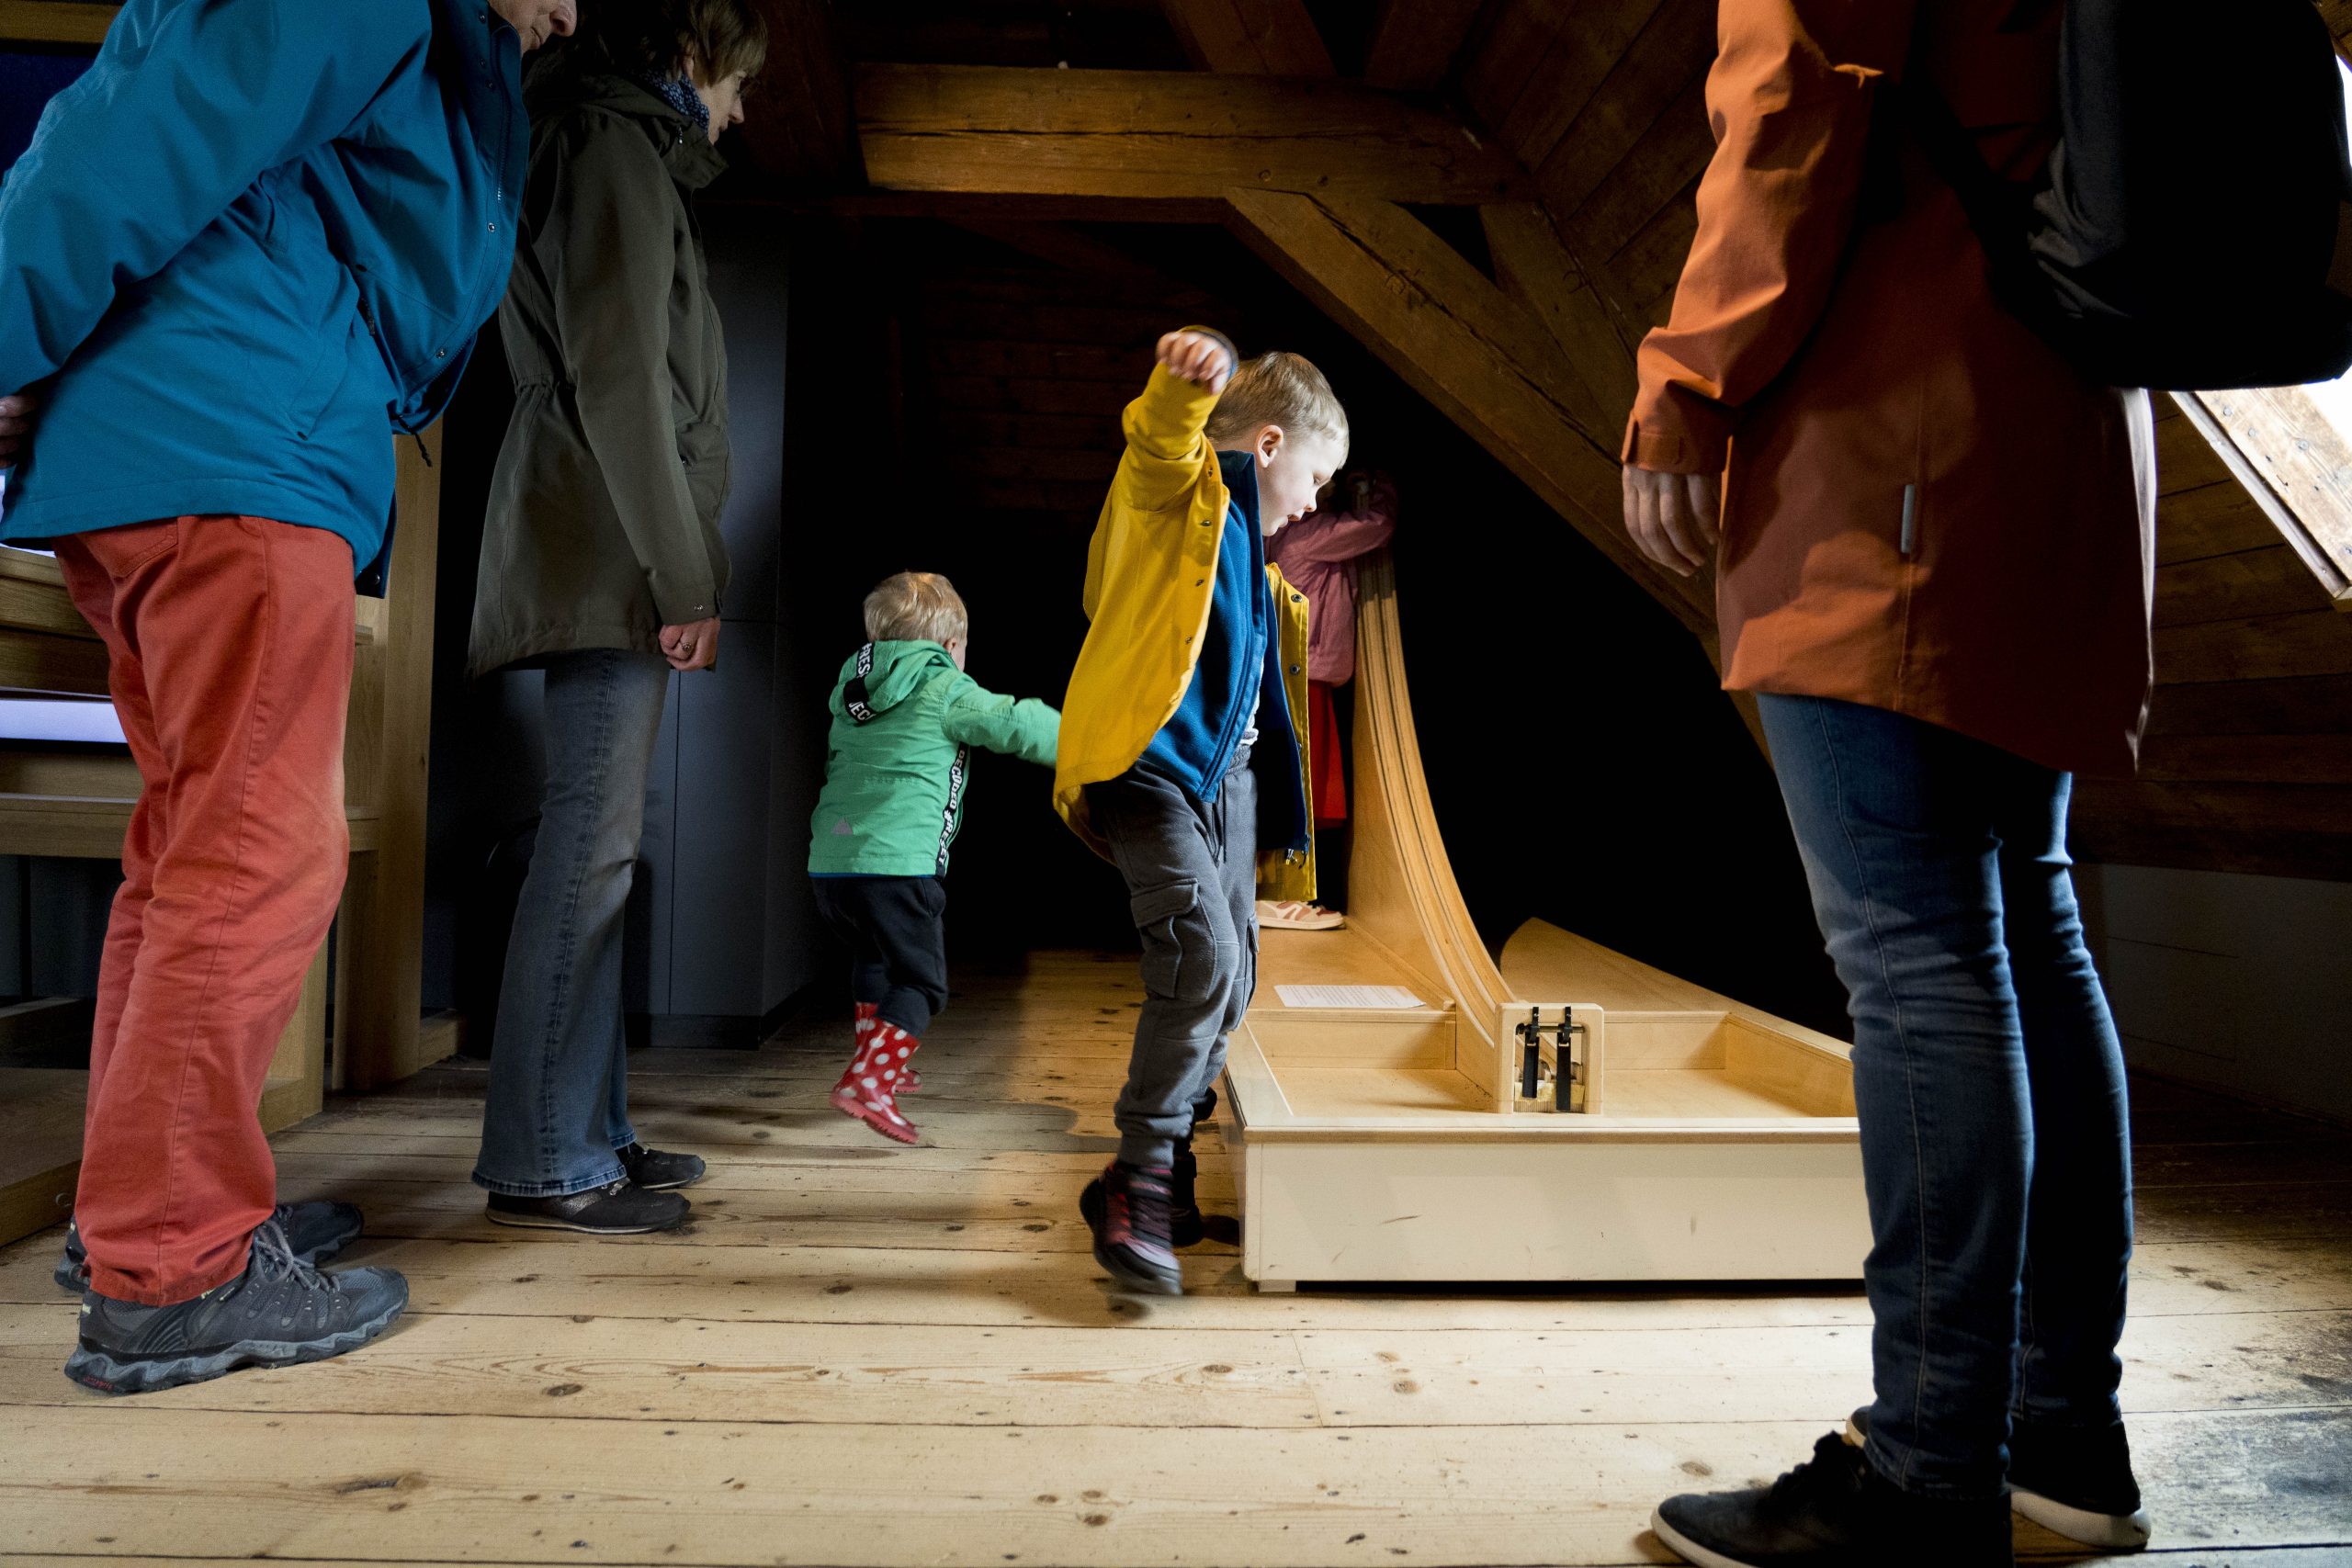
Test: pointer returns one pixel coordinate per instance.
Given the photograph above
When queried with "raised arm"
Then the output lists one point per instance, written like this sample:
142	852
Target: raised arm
1166	428
1017	727
187	106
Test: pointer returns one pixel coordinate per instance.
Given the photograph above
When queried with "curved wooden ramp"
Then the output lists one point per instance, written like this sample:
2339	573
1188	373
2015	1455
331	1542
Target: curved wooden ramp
1378	1081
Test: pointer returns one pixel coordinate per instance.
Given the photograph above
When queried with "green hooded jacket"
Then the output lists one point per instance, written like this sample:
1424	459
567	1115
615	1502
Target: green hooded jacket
603	521
905	720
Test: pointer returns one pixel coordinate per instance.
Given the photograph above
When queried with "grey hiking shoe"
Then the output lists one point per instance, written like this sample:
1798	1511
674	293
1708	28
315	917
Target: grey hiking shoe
280	1311
315	1230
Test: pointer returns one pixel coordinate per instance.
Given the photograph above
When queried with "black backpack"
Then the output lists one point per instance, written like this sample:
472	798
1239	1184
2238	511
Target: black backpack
2185	234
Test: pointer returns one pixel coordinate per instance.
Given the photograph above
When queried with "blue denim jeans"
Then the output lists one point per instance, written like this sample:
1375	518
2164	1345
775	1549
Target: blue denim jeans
1997	1147
559	1067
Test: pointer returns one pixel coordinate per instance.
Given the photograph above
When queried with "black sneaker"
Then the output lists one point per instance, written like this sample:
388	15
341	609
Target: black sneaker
658	1172
2074	1482
316	1232
1128	1209
1187	1227
1834	1511
2079	1483
617	1209
280	1311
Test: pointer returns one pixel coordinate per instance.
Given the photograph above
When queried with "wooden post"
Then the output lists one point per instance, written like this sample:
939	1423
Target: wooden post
382	947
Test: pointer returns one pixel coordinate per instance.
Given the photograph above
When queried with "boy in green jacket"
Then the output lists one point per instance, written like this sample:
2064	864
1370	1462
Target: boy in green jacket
905	720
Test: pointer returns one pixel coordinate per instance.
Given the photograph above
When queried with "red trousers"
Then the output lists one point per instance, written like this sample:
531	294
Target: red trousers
229	641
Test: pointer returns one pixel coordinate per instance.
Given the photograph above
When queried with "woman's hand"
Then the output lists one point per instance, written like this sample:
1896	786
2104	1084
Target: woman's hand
16	424
1672	518
694	646
1198	358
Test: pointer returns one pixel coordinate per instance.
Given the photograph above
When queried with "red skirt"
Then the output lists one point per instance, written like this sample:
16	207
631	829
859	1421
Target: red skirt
1325	765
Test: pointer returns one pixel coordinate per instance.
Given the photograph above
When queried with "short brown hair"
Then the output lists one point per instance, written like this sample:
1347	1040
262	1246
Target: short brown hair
916	606
653	37
1277	389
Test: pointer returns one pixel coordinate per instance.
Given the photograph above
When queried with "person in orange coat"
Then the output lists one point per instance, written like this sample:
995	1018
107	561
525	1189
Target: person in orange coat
1933	541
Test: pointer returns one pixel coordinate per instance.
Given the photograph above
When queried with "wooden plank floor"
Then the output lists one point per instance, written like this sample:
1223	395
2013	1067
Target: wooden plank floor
864	1354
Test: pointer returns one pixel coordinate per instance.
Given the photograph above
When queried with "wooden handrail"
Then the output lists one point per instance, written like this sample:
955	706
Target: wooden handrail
55	21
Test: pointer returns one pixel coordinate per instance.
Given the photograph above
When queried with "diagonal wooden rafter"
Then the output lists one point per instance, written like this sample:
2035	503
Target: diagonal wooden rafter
1251	38
1161	136
1476	353
1414	42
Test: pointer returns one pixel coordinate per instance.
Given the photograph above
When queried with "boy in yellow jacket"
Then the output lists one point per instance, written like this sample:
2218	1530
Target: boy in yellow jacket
1178	755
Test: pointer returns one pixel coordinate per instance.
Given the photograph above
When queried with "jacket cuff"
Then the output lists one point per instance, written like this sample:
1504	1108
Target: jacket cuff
1675	431
700	604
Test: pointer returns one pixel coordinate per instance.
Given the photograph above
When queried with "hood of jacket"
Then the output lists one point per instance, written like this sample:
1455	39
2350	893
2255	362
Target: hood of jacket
881	675
562	81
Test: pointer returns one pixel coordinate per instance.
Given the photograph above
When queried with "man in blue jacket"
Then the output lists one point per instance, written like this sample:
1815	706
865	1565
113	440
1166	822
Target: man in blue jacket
251	235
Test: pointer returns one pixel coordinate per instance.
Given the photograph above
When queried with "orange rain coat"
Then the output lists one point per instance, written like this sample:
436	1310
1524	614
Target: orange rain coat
1925	509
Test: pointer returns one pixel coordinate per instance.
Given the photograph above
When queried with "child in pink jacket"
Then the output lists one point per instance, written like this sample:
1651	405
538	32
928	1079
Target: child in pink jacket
1318	556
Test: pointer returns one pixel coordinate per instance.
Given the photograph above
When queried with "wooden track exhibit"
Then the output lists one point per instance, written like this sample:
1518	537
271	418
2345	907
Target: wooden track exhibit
1708	1140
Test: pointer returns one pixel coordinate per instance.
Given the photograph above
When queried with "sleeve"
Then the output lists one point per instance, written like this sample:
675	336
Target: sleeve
610	258
1023	728
1167	431
1330	537
1790	94
186	106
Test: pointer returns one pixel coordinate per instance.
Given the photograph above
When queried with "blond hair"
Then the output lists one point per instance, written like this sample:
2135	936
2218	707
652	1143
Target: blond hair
1277	389
916	606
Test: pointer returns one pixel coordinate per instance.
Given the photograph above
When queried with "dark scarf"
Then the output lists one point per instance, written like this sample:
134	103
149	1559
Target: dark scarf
680	95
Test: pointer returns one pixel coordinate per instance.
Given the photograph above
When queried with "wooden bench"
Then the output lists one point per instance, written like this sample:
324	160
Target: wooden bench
76	804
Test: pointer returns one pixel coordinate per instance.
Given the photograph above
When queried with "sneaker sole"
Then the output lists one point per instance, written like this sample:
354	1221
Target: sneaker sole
73	1280
1688	1549
104	1373
547	1223
670	1186
2125	1532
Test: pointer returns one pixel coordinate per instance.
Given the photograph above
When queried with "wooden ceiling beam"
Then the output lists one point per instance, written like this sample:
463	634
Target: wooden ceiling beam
1480	355
1534	267
1251	38
1414	43
1162	136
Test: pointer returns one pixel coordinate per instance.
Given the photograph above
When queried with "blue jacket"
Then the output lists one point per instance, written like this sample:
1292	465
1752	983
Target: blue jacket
1239	672
252	239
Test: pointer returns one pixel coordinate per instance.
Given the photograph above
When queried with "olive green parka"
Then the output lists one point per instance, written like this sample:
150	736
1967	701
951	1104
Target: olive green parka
603	520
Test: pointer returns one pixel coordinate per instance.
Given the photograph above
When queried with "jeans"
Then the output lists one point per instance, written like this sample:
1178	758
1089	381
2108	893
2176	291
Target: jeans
229	656
559	1067
896	931
1191	874
1988	1079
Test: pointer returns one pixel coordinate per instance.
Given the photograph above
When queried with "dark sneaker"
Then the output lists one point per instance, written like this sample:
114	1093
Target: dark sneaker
1186	1225
280	1311
1128	1209
2077	1483
658	1172
1834	1511
315	1230
617	1209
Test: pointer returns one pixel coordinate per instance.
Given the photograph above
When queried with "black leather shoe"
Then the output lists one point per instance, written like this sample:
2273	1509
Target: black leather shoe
658	1172
1835	1511
2075	1481
620	1208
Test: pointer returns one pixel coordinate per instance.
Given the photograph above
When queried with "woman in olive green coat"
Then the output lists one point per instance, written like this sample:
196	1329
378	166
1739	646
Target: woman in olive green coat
601	564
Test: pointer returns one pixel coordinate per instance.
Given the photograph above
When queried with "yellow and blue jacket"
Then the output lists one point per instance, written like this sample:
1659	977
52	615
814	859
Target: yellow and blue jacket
1150	573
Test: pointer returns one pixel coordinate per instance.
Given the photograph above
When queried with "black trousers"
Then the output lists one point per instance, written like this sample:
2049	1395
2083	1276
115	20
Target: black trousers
897	936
